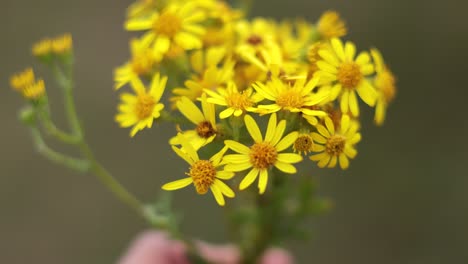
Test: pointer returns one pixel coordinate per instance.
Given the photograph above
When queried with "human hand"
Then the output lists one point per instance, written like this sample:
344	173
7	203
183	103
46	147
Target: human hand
153	247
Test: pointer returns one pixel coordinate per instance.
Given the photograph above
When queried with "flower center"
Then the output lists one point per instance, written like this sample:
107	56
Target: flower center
335	145
386	83
238	100
143	62
203	174
290	99
263	155
144	106
254	40
205	129
303	144
168	24
349	75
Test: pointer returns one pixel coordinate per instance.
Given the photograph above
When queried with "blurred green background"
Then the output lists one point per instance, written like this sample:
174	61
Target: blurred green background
404	199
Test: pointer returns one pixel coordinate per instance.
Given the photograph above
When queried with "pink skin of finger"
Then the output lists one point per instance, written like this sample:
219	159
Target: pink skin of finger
153	247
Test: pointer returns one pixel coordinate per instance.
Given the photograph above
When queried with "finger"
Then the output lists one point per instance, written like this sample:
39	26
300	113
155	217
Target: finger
276	256
215	254
154	247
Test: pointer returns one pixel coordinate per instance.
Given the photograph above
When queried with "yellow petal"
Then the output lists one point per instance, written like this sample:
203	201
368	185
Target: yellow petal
226	190
225	175
289	157
262	181
249	178
253	129
285	167
329	124
217	195
319	138
190	110
237	166
367	93
344	162
175	185
237	147
353	103
271	129
287	141
337	45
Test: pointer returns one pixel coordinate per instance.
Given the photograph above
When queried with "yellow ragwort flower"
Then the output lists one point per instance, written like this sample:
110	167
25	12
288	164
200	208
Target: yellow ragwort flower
335	144
142	63
42	48
263	154
62	44
345	75
298	98
330	25
254	35
206	128
22	79
204	174
141	109
384	81
212	71
34	91
175	24
236	102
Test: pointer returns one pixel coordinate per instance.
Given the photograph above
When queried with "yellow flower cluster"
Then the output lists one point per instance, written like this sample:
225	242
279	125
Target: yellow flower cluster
26	84
227	76
60	45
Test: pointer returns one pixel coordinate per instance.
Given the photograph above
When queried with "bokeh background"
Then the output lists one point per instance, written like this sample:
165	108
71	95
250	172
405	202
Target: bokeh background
404	199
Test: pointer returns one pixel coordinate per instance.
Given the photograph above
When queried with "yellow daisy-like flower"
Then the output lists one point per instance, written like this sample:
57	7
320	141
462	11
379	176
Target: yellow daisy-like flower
330	25
212	72
385	83
236	102
62	44
34	91
204	174
296	98
22	79
263	154
270	60
142	63
141	109
335	144
175	24
254	36
42	48
345	75
206	128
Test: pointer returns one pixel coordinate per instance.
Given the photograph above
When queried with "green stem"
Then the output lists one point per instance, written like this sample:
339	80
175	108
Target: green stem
56	157
51	128
66	82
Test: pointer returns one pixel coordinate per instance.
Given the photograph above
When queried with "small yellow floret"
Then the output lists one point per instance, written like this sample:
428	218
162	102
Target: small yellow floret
22	79
42	48
62	44
34	91
330	25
